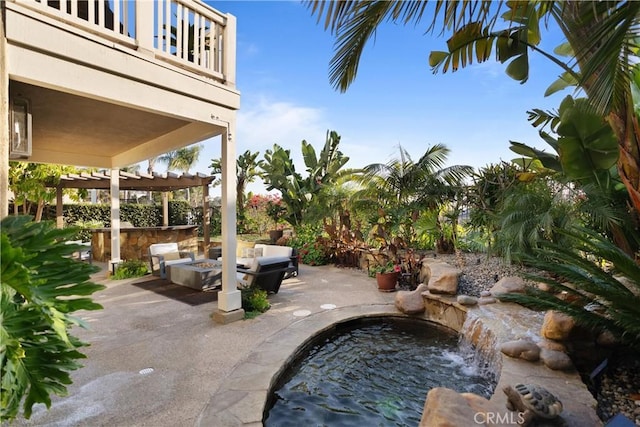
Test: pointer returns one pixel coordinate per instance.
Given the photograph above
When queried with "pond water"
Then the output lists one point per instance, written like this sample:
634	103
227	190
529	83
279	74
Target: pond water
374	373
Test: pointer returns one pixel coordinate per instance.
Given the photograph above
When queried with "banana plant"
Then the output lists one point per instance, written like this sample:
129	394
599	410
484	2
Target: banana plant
297	192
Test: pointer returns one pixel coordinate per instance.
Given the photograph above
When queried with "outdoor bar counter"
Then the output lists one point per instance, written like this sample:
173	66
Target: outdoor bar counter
135	241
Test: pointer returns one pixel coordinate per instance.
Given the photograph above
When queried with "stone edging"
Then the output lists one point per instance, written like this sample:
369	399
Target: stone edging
241	399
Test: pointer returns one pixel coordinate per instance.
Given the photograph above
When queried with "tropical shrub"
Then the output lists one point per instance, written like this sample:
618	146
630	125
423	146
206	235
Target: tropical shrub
532	213
41	286
129	269
313	254
310	244
254	300
602	283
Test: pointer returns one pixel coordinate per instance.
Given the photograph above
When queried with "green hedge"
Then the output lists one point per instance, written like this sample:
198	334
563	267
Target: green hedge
99	215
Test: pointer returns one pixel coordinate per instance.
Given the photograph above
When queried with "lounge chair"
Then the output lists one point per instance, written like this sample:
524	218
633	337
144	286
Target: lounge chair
266	273
246	255
163	254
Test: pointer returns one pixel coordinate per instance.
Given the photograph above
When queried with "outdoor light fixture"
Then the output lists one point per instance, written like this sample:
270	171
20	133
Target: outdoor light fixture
19	128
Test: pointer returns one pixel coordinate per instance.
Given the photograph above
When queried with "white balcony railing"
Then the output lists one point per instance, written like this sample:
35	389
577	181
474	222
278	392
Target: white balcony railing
186	33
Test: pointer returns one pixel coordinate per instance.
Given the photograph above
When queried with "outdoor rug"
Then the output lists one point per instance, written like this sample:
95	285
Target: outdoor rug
180	293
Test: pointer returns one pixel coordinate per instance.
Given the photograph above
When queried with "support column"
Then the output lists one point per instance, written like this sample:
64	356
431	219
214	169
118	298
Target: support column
206	220
4	122
59	216
229	298
165	209
115	218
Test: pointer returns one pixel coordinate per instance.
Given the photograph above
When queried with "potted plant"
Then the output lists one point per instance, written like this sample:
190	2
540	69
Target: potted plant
387	276
275	211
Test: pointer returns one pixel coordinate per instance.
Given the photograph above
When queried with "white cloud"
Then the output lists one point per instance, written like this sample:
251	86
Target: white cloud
266	122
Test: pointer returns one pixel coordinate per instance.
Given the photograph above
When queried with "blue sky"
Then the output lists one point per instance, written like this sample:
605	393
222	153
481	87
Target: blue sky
282	73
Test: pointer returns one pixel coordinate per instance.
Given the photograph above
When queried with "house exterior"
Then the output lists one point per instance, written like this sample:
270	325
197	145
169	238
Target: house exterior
109	83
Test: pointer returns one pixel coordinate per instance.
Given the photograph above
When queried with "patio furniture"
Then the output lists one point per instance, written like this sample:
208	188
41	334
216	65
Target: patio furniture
266	273
246	255
84	252
201	275
162	255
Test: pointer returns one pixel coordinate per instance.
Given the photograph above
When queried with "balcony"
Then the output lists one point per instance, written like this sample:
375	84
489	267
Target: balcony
115	82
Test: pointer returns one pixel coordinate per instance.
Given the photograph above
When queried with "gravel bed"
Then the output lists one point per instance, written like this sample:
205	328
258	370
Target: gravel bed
618	390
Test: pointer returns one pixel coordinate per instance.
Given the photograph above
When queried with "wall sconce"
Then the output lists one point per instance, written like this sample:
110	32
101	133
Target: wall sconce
19	128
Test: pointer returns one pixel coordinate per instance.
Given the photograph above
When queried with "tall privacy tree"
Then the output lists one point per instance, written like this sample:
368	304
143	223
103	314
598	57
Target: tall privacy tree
182	159
297	192
247	170
601	45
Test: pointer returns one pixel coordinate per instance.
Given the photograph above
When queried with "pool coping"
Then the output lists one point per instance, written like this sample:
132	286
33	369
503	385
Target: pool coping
242	396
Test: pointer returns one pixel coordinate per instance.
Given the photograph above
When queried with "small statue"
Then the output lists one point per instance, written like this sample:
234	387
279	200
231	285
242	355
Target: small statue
533	401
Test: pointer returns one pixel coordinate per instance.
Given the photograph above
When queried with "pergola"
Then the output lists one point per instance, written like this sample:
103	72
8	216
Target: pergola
138	182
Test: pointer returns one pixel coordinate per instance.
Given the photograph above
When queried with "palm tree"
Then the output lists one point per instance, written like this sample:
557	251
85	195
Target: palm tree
602	45
403	188
247	170
182	160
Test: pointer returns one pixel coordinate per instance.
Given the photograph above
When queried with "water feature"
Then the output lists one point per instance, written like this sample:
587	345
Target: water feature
374	372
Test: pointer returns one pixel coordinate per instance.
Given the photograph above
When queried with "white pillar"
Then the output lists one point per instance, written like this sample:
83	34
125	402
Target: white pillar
4	122
229	298
115	217
59	216
165	208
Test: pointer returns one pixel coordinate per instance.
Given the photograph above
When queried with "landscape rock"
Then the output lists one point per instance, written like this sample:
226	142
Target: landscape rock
443	278
487	300
509	284
521	349
607	339
551	345
411	302
446	408
485	294
544	287
467	300
557	326
556	360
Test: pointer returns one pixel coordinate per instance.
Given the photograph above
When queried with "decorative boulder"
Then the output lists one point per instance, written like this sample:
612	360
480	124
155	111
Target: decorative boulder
444	408
552	345
466	300
607	339
443	278
557	326
556	360
521	349
509	284
487	300
411	302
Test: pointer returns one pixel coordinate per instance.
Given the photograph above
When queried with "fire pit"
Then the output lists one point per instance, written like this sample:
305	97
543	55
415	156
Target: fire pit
202	275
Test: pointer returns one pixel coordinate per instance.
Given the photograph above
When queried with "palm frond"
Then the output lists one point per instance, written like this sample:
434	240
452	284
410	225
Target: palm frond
578	271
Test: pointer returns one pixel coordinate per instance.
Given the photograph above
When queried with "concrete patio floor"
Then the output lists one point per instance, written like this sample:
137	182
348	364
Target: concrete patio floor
157	359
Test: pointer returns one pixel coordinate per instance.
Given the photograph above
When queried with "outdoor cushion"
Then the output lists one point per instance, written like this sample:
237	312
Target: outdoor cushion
241	244
274	250
163	254
171	256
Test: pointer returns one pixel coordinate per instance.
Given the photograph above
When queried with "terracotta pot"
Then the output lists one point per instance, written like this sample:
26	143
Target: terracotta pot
387	281
274	235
